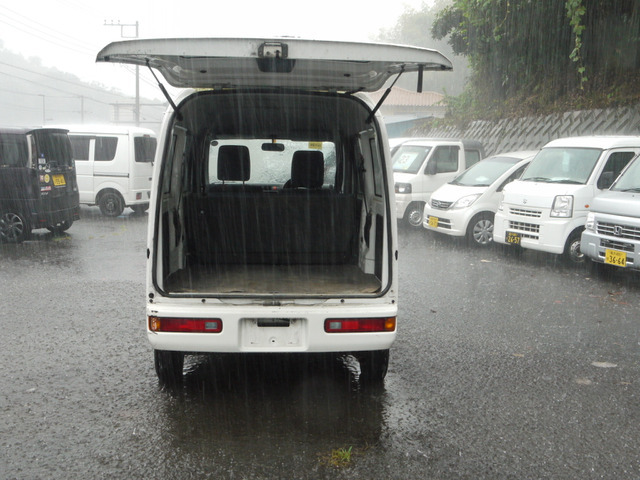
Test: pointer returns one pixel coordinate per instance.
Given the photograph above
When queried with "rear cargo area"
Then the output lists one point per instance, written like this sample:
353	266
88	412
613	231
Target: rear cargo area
265	198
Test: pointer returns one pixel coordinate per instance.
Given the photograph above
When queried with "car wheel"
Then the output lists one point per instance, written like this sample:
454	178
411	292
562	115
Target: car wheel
111	204
60	227
14	227
414	214
373	366
140	208
572	249
480	230
168	367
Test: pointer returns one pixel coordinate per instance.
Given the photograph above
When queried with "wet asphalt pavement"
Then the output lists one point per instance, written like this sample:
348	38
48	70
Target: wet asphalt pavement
506	366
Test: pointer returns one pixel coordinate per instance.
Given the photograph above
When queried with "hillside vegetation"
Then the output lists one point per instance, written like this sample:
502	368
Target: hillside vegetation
539	57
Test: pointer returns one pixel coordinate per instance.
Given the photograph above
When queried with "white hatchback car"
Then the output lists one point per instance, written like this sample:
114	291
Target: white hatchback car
467	204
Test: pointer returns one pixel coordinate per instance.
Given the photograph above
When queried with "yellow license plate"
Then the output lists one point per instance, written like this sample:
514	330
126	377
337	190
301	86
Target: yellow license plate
58	180
513	238
433	222
614	257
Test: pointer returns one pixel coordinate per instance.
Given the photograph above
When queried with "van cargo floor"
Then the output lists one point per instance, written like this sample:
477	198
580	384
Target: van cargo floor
274	279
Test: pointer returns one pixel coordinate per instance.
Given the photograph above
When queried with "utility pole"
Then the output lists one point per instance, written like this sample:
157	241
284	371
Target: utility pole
123	35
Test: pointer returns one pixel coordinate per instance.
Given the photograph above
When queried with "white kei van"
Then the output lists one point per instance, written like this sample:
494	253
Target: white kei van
272	227
547	207
114	166
421	165
612	230
466	206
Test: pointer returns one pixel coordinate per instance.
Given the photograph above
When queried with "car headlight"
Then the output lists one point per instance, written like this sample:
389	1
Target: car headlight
467	201
590	224
403	188
562	206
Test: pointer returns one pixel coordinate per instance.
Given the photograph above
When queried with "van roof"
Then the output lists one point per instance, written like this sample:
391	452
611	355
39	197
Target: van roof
274	62
597	141
26	130
112	129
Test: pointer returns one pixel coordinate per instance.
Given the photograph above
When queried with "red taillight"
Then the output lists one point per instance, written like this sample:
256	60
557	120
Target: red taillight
349	325
192	325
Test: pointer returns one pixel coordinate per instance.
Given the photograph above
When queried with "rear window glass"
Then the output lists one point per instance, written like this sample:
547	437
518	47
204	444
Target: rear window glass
13	150
53	149
271	166
145	149
106	148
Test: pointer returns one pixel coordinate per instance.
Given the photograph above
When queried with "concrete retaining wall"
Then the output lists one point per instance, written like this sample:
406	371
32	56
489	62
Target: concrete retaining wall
533	132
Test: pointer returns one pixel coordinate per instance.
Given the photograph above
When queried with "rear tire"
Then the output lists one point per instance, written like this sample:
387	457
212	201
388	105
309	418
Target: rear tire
168	367
60	227
14	226
111	204
141	208
373	366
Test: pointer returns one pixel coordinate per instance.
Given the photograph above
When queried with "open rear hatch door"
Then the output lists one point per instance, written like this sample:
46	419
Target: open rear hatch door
285	62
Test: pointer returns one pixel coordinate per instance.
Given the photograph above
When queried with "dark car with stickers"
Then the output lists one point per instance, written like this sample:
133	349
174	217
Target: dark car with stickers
38	187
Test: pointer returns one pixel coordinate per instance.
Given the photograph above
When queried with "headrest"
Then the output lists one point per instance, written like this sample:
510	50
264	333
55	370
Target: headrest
233	163
307	169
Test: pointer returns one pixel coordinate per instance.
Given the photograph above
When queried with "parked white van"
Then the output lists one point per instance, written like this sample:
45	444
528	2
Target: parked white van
547	207
466	206
421	165
286	248
612	229
114	166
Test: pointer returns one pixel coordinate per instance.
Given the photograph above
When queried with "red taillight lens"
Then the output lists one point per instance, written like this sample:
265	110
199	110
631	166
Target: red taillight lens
192	325
350	325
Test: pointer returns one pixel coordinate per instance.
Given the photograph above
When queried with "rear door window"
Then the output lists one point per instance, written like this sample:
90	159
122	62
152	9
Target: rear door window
145	149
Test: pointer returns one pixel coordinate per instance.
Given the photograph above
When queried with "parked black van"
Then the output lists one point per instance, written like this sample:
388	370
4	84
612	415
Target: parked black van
38	187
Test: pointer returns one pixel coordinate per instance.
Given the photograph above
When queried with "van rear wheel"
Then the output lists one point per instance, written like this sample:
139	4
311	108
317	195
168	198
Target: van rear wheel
373	366
168	367
111	204
14	226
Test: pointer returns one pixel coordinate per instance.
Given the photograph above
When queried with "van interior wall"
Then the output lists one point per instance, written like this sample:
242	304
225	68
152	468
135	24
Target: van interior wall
241	239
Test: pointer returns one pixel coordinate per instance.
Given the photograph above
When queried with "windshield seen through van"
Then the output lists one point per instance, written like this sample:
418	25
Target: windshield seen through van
271	166
409	158
629	181
562	165
484	173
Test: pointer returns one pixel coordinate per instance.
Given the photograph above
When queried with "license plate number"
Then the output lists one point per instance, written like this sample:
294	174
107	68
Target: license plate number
513	238
615	257
433	222
58	180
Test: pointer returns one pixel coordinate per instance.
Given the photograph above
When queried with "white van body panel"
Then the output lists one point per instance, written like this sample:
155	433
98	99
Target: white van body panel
123	173
423	184
612	233
273	266
525	209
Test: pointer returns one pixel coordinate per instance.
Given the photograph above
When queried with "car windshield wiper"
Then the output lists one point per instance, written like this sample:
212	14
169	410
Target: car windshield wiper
634	189
537	179
566	180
